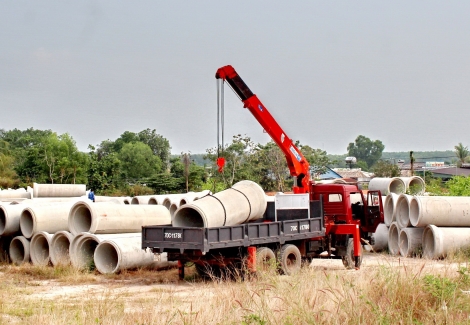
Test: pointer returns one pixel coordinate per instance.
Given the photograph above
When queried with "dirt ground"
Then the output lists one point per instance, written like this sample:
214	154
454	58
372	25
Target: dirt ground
137	286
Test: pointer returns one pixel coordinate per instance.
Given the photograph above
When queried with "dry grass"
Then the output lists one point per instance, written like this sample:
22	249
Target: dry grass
391	291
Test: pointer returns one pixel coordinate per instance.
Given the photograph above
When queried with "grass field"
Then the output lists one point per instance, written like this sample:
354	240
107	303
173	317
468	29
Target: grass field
386	290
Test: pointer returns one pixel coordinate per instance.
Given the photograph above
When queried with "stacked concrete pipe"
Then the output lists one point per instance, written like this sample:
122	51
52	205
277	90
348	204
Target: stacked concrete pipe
58	190
109	218
19	250
414	185
82	252
390	208
10	218
441	211
244	202
59	248
402	211
9	195
115	255
141	199
410	242
387	185
51	218
394	239
438	242
40	248
380	238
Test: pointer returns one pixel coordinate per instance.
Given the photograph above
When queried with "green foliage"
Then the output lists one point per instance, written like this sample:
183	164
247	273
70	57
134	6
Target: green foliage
459	186
364	149
386	169
441	288
461	152
435	187
317	158
138	161
362	165
270	164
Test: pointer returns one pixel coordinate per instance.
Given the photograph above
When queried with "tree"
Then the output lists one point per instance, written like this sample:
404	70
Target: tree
386	169
138	161
364	149
459	186
271	167
461	152
160	146
317	158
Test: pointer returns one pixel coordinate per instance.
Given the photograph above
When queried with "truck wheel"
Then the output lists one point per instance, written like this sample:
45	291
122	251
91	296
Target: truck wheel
265	258
348	260
290	259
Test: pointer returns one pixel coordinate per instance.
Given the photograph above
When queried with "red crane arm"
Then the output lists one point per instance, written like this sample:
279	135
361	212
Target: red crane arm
298	165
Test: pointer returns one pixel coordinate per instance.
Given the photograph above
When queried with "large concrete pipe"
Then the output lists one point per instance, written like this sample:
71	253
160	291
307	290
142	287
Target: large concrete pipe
390	208
10	218
58	190
411	240
414	185
114	255
156	200
141	199
51	218
114	199
59	248
172	198
244	202
380	237
441	211
83	252
40	248
8	195
387	185
402	211
393	239
19	250
108	218
438	242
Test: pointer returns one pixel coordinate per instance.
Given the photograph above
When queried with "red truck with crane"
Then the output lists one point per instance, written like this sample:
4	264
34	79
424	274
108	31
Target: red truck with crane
334	221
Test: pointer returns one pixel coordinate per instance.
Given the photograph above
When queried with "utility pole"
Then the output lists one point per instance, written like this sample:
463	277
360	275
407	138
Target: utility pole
412	160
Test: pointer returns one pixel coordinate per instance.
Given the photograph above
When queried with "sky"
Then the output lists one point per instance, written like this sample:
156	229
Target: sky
328	71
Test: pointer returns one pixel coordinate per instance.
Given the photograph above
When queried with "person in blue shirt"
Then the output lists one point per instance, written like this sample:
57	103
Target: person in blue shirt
91	195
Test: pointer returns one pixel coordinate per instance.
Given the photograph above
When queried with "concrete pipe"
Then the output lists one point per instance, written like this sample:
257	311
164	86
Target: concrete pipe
8	195
114	255
393	239
156	200
74	242
387	185
59	248
380	237
109	218
172	198
438	242
402	211
58	190
40	247
141	199
127	200
83	252
19	250
414	185
10	218
390	208
173	207
114	199
51	218
441	211
411	240
244	202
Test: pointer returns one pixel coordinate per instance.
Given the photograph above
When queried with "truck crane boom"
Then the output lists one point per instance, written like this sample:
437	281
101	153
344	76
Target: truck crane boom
299	167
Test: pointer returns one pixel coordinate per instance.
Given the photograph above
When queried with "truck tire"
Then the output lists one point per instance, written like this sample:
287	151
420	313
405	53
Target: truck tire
290	259
265	258
348	260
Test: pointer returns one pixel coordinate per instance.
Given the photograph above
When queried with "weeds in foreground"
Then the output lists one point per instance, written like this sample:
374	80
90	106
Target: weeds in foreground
384	294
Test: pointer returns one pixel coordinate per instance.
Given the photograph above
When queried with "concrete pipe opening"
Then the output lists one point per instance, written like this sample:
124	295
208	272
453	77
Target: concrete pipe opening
135	200
84	252
387	185
3	219
153	201
416	186
173	208
39	249
167	203
402	214
183	201
188	217
107	257
19	250
403	244
27	223
429	242
393	239
415	211
59	248
80	219
389	208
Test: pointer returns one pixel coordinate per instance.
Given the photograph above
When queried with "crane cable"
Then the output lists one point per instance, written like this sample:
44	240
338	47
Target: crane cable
220	124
